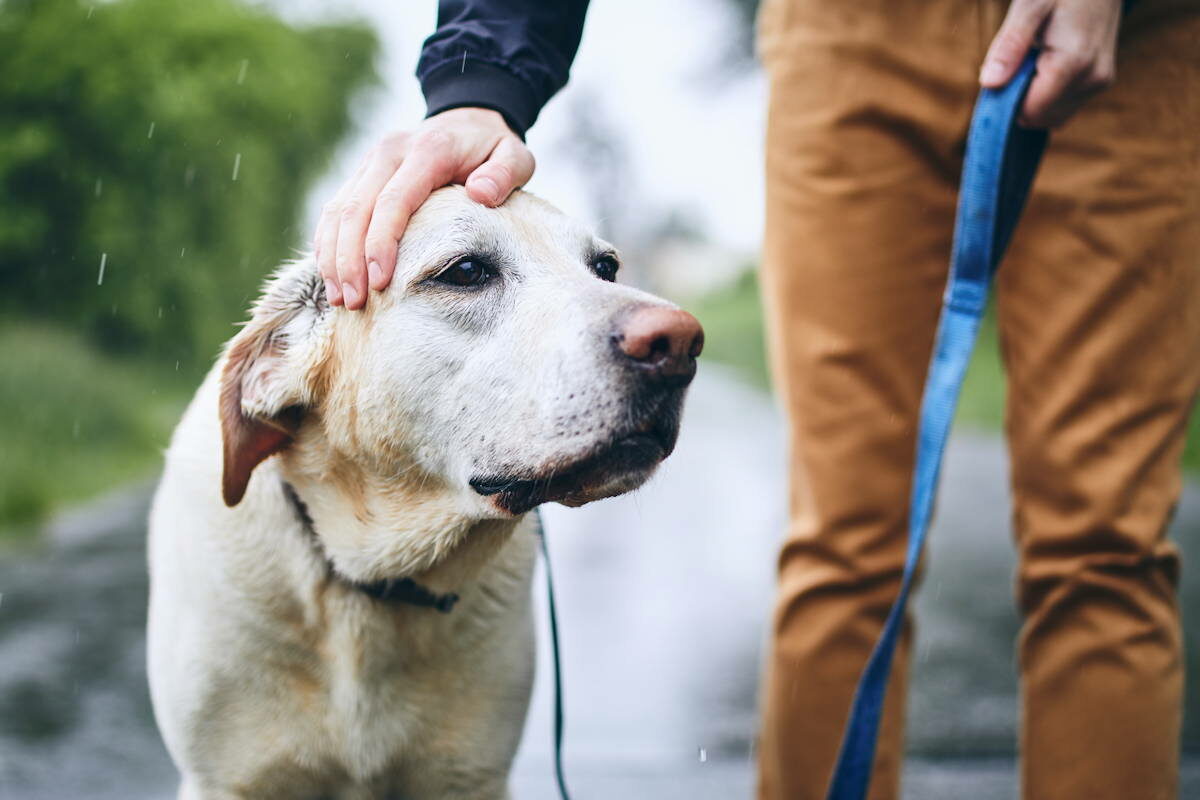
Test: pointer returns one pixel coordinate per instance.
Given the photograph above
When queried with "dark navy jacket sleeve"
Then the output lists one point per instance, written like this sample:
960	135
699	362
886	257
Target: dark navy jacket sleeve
507	55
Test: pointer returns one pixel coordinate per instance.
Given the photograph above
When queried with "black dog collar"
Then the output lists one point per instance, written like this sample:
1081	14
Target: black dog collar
396	590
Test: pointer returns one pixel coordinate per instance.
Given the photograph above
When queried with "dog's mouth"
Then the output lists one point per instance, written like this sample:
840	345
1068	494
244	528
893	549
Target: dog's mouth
619	466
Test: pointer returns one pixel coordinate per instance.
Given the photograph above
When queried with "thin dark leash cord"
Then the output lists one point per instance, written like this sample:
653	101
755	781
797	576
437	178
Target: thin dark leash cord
559	775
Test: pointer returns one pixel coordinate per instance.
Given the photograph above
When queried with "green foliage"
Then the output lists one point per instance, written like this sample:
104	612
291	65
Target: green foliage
91	421
733	327
174	140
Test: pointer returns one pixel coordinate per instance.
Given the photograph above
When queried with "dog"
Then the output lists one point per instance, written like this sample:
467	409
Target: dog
341	545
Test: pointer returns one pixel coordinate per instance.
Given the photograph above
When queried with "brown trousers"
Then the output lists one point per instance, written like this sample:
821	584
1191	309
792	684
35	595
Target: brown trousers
1099	314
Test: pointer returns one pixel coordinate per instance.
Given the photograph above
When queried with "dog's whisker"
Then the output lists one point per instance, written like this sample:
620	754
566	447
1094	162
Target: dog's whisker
397	475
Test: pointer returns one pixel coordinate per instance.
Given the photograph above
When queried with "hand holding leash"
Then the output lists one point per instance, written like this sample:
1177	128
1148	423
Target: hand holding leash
1077	40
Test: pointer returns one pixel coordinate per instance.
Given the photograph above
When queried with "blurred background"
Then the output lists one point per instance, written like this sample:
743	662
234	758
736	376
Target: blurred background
159	157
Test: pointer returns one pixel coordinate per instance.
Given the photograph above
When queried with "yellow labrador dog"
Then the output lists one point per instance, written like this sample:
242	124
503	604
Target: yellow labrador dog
340	549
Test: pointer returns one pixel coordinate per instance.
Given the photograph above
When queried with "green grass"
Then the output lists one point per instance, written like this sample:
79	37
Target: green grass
732	319
75	421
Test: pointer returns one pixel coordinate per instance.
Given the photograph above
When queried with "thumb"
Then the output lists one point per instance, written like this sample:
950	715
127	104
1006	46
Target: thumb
1012	42
509	166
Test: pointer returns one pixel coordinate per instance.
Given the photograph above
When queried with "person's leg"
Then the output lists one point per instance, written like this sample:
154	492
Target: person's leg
868	108
1099	308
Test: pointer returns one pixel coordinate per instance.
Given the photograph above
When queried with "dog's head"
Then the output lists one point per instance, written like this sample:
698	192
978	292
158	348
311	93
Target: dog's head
503	361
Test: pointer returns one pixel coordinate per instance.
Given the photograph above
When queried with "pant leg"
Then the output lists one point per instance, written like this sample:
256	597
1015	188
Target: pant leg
869	103
1099	308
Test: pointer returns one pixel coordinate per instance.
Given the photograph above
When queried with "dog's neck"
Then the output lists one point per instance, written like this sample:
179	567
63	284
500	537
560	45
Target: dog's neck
389	534
404	591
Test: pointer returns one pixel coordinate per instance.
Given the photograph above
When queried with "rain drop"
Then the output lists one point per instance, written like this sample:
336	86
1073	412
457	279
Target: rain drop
242	71
150	133
237	163
103	261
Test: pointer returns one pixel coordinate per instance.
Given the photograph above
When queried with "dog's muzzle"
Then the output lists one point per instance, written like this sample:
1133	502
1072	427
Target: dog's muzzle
656	347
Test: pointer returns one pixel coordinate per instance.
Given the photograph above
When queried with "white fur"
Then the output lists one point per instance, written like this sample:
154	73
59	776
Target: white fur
272	677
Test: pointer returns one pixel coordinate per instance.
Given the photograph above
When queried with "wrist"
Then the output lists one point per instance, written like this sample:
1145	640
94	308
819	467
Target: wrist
476	116
478	85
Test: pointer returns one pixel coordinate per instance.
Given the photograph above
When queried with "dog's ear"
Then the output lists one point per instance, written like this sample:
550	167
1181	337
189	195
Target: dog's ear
265	382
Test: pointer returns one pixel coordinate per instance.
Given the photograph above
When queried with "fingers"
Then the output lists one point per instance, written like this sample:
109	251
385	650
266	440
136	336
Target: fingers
353	217
325	246
1050	101
1078	40
430	164
1077	61
1013	41
1063	83
509	166
325	239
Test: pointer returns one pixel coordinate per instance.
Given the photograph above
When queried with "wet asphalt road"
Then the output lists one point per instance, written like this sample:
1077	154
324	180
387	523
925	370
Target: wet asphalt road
663	598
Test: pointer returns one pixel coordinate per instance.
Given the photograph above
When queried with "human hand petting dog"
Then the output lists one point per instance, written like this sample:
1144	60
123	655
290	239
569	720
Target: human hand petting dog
1078	40
355	242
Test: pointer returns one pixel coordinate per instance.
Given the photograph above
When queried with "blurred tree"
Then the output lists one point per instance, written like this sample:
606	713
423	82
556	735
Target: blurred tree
738	56
600	153
154	159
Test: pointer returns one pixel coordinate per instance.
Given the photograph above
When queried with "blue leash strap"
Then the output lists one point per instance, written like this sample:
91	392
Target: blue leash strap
1000	163
552	611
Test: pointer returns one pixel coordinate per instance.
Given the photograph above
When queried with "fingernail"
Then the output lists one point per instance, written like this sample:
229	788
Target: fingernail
375	274
332	292
489	188
992	72
350	293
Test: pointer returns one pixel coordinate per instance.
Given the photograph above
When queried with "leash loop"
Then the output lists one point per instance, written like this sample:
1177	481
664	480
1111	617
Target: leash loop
1001	160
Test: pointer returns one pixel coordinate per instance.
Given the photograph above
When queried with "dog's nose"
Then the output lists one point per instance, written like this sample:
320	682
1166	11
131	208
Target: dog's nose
662	341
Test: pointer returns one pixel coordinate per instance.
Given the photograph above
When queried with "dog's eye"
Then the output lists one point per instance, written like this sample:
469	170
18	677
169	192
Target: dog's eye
606	267
468	272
